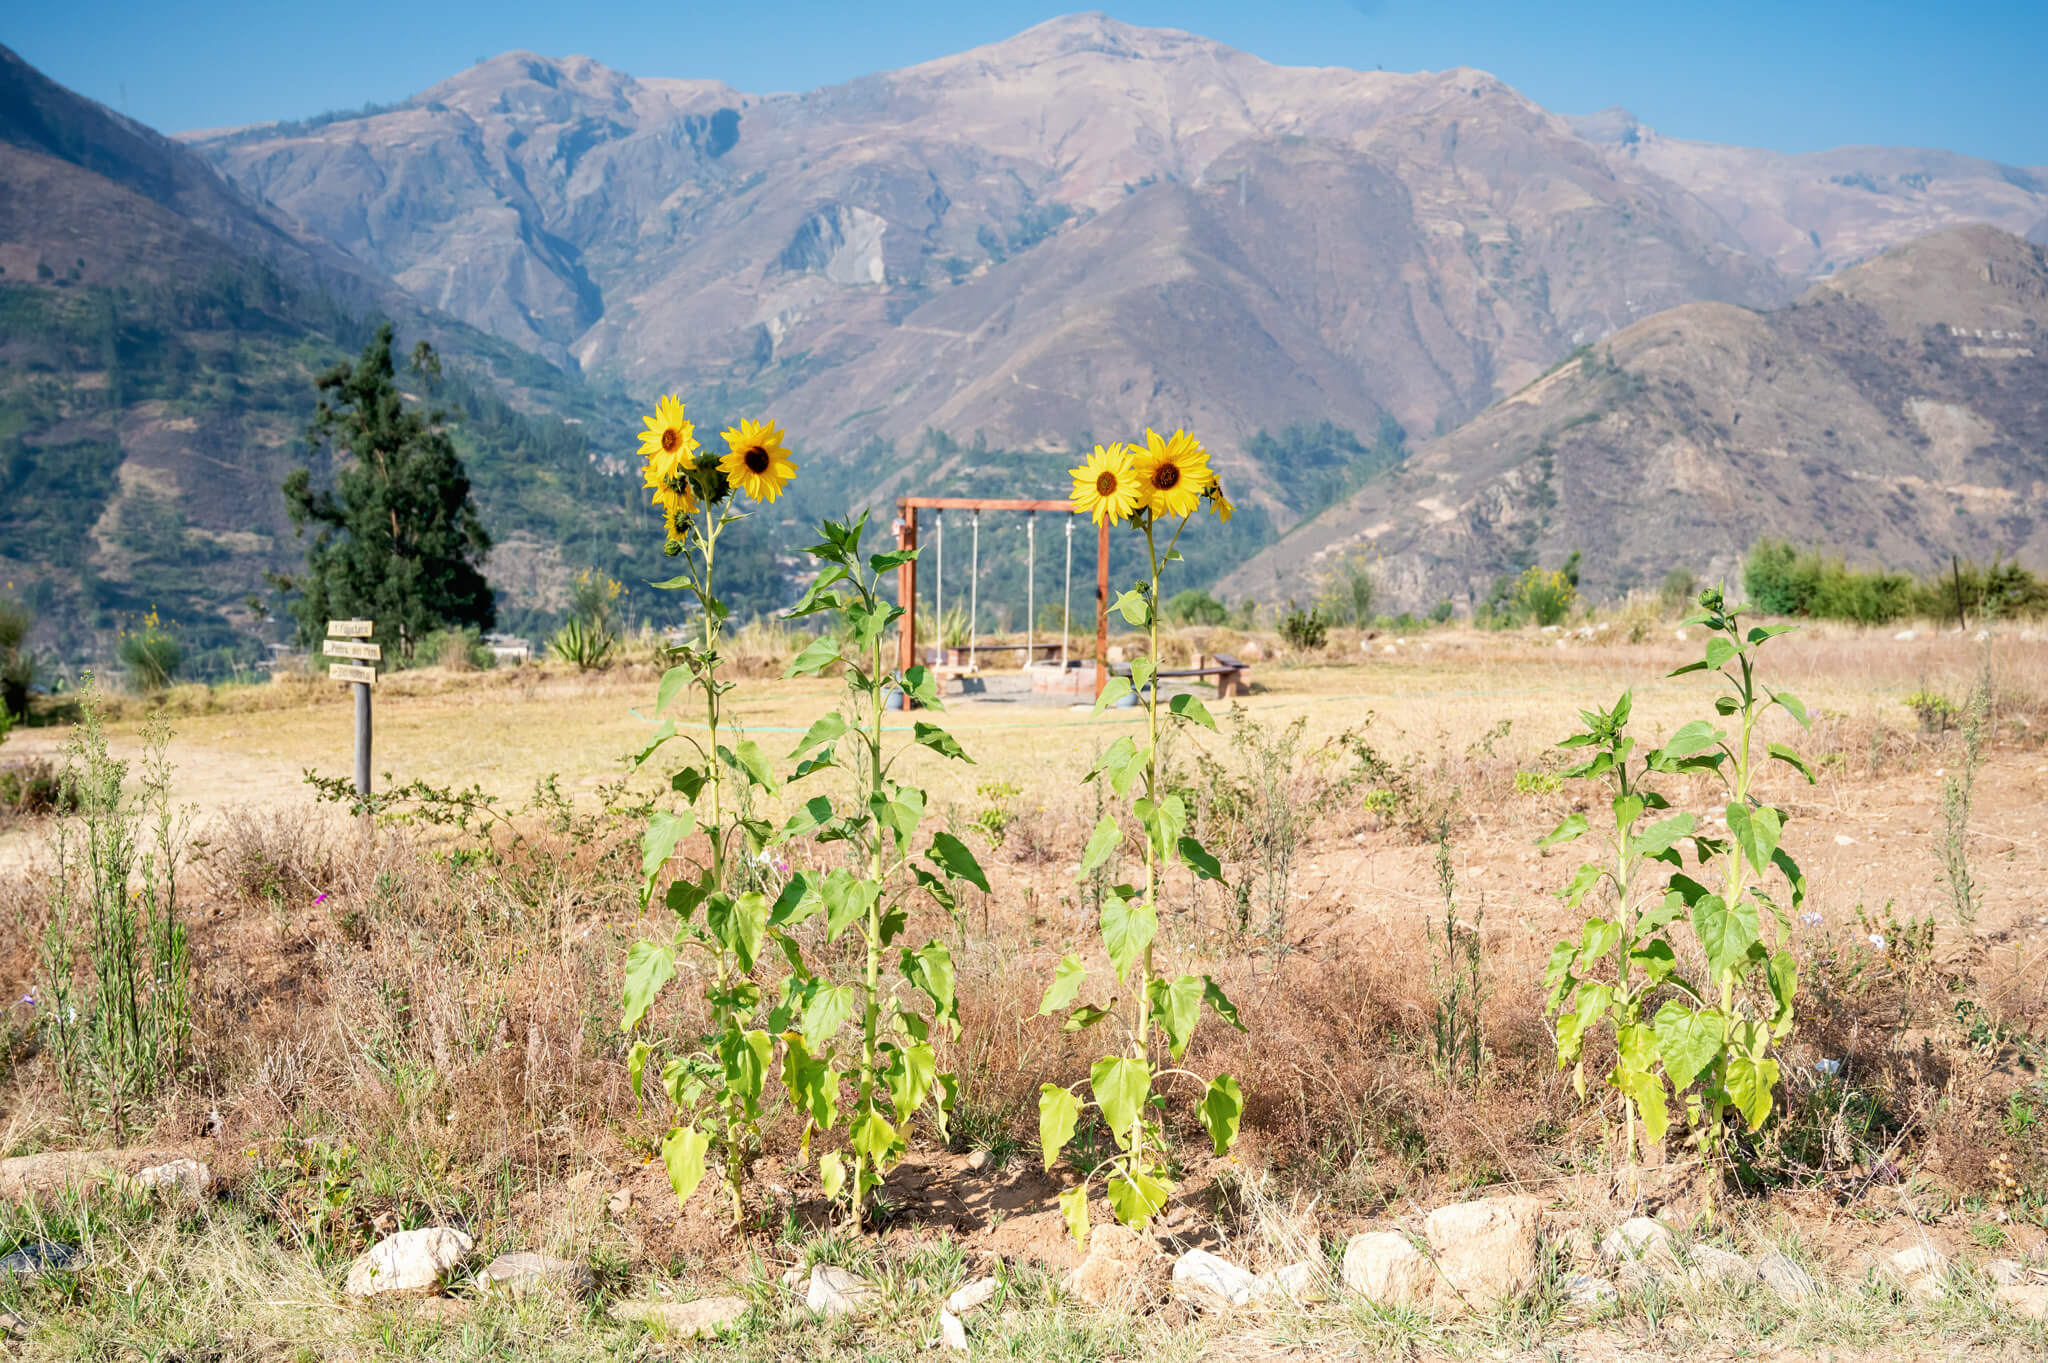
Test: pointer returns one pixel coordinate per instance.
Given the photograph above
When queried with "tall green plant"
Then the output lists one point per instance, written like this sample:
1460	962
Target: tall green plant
116	973
896	1071
1161	486
716	1080
1673	1030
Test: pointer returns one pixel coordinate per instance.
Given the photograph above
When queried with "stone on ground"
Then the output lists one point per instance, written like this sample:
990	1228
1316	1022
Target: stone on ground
519	1275
1118	1269
1710	1266
952	1333
1211	1280
836	1292
56	1171
410	1261
1642	1240
1589	1293
968	1296
700	1319
1386	1269
36	1258
2005	1272
12	1326
2028	1299
1786	1277
1487	1252
1304	1282
187	1180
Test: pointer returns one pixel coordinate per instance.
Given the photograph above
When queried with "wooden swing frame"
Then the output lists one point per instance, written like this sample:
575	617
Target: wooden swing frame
906	575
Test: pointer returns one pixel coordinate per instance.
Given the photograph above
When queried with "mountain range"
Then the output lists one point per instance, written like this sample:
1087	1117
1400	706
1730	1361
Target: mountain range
953	274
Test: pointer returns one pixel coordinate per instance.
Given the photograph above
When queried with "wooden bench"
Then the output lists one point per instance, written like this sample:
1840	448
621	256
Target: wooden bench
1233	678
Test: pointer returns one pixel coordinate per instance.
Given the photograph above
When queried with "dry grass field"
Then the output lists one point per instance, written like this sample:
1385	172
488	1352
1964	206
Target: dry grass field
419	1027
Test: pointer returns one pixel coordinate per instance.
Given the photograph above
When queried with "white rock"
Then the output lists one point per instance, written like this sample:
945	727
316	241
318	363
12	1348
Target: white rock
2005	1272
700	1319
1641	1240
518	1275
968	1296
1486	1251
1786	1277
1215	1281
1844	840
186	1179
621	1202
1915	1261
836	1292
1710	1266
1303	1282
978	1161
2027	1299
1590	1293
410	1261
1927	1289
794	1277
1904	636
952	1333
1386	1269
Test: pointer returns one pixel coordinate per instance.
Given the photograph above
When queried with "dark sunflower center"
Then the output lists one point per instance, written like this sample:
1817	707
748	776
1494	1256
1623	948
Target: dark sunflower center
1166	476
670	438
1105	483
756	460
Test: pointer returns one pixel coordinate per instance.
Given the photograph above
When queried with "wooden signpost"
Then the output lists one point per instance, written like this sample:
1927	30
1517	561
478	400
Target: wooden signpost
361	676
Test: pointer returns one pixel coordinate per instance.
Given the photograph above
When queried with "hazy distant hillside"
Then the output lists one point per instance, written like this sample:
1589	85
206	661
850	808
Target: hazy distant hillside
1813	214
1898	412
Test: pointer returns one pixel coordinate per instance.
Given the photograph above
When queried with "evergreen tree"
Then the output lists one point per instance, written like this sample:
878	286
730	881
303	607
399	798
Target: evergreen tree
396	537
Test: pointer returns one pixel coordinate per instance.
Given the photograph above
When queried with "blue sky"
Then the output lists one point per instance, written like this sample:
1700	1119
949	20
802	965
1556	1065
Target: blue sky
1795	76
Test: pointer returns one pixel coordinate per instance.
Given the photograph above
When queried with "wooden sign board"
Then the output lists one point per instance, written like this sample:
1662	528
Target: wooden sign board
351	629
339	648
349	672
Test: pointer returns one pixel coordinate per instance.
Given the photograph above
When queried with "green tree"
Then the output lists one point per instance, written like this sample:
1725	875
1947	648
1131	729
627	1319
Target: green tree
396	537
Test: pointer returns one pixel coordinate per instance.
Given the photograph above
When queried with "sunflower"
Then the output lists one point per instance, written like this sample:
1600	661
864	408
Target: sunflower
1220	504
676	501
1173	473
756	460
1106	486
668	445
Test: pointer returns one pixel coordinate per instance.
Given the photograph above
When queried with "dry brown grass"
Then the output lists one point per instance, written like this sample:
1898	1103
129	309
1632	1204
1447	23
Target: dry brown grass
451	1016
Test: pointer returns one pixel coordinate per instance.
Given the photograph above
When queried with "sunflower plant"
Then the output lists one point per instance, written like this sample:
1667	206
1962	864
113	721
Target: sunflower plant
895	1068
1157	488
718	1079
1674	1030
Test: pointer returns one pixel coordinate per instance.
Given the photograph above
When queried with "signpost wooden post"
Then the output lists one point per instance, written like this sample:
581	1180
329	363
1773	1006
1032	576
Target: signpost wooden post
344	642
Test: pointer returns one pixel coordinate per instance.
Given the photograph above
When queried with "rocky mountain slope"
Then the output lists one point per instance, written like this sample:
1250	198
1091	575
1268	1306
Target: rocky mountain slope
1081	230
1898	412
159	335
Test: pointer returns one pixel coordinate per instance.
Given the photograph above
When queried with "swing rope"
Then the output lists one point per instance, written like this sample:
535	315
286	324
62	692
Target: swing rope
1030	582
1067	597
974	598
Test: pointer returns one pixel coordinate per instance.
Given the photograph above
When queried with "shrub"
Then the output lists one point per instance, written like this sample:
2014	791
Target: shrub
1304	629
1193	607
151	654
584	645
1676	592
36	786
17	668
117	1029
1547	597
1351	591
